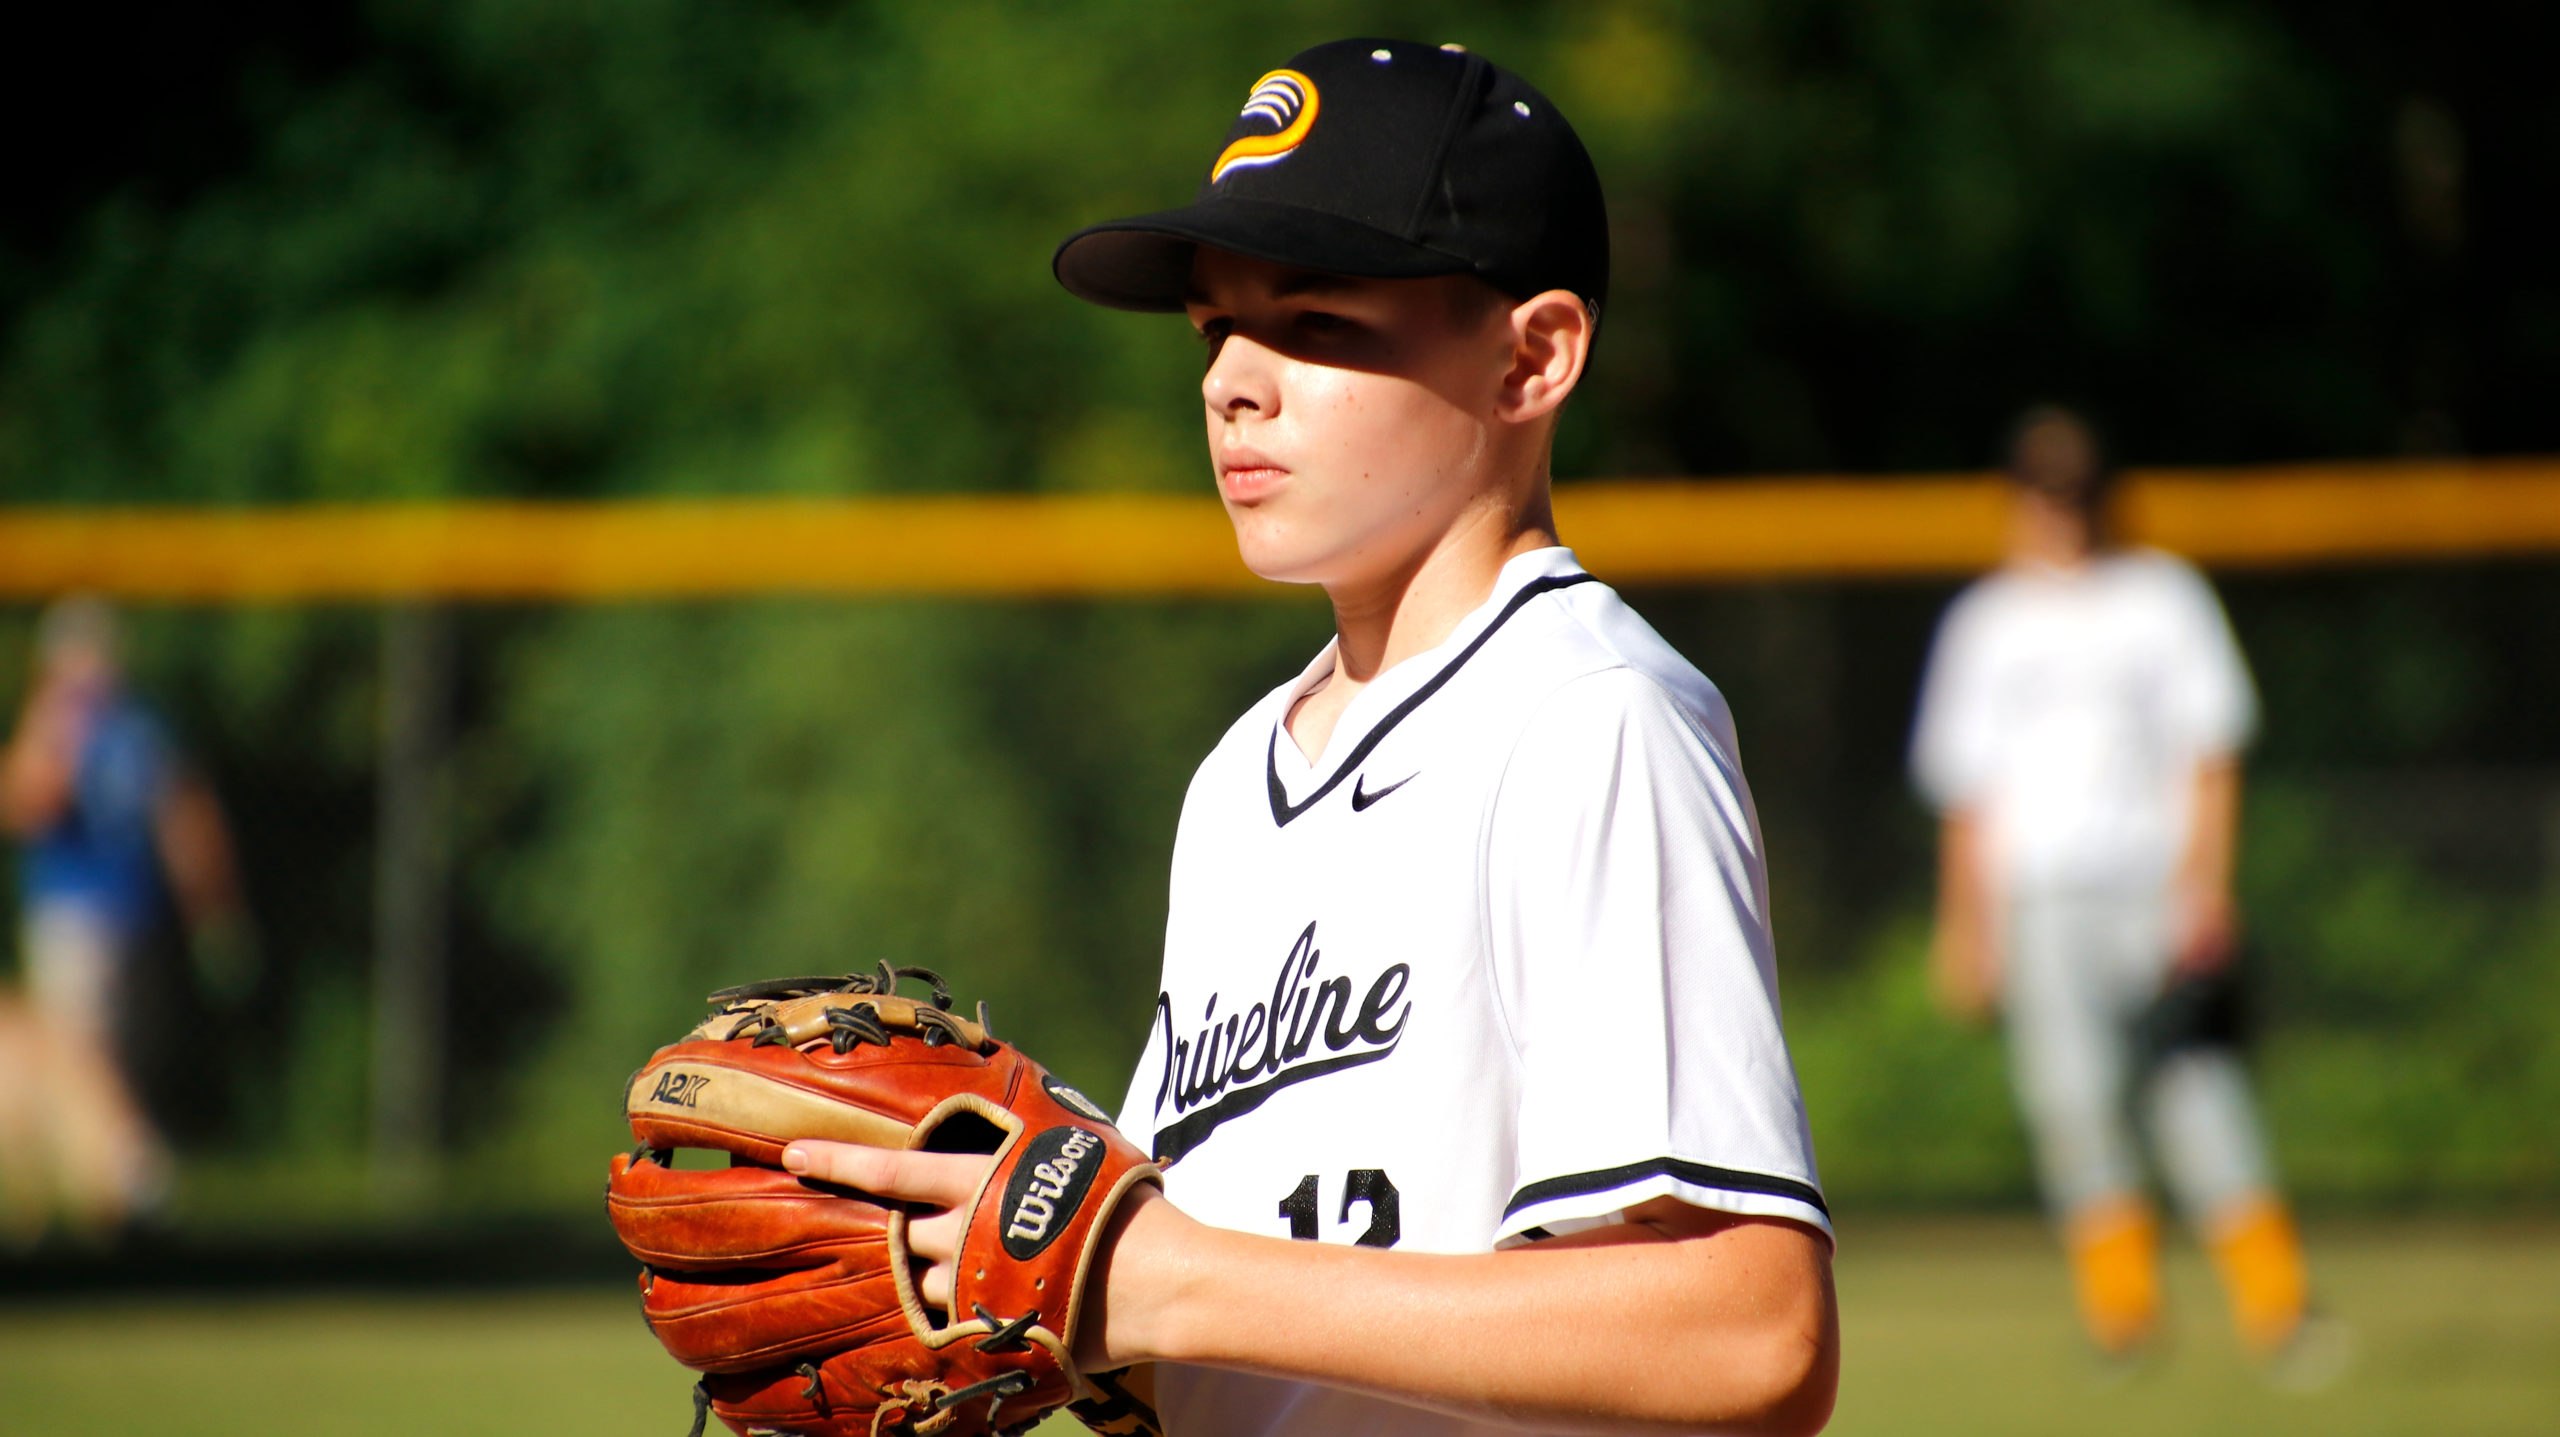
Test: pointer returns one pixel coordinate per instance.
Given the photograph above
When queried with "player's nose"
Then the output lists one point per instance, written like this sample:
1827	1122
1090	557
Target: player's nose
1242	377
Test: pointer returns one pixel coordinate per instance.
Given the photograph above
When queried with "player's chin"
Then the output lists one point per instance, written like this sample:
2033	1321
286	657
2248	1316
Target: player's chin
1275	549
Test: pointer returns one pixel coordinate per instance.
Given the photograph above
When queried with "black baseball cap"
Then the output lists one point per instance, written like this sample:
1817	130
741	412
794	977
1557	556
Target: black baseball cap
1379	158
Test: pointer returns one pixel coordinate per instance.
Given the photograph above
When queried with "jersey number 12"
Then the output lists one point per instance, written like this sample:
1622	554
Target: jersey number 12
1362	1185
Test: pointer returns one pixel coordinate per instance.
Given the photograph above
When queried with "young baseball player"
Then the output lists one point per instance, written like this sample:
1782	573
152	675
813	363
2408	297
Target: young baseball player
1466	1064
110	824
2080	730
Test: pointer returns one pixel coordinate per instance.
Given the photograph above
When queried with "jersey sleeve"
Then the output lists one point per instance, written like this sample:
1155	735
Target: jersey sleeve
1633	968
2212	707
1954	737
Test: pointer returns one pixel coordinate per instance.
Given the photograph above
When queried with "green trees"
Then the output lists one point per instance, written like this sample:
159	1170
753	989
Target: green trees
560	249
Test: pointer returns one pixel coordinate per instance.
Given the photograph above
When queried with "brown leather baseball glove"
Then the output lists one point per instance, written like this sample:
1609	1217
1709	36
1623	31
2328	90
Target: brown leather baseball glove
797	1301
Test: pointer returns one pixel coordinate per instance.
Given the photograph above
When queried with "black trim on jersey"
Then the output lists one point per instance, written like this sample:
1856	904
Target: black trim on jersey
1193	1129
1729	1179
1282	810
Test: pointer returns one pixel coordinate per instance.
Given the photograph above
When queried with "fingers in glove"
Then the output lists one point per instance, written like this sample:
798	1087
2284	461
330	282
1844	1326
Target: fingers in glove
937	1186
936	1239
937	1180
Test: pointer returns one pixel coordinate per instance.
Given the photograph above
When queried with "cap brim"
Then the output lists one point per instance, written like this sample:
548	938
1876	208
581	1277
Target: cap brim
1144	262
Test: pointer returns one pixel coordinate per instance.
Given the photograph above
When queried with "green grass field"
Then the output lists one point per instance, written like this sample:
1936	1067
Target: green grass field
1951	1326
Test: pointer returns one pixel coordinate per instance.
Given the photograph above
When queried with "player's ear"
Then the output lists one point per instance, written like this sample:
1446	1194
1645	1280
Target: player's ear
1550	342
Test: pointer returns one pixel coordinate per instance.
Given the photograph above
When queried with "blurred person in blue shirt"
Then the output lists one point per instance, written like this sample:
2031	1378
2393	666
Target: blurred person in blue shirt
109	822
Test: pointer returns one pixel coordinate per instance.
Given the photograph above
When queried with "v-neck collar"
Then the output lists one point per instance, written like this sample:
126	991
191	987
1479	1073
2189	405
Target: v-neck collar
1404	686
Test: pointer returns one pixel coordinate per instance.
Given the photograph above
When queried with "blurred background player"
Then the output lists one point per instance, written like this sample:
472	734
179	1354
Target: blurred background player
103	812
2080	732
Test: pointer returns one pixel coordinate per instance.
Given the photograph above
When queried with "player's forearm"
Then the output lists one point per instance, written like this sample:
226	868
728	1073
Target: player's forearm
1729	1331
195	850
1966	952
2213	826
2207	915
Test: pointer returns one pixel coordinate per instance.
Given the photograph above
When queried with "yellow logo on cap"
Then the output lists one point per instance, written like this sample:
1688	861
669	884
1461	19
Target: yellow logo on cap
1287	101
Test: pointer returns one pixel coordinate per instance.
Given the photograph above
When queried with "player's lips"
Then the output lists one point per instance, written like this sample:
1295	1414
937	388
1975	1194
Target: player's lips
1245	476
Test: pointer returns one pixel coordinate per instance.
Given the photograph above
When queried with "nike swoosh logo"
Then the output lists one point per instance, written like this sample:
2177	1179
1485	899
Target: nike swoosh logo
1361	798
1282	810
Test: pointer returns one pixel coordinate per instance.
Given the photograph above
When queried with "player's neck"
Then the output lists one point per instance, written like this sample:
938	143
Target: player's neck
2051	542
1409	608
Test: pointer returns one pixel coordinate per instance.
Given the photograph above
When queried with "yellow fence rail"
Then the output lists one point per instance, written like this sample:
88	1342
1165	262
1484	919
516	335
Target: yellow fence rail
1634	531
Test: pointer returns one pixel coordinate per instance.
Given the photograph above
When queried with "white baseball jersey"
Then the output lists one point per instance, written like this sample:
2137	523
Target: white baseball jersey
1496	966
2070	707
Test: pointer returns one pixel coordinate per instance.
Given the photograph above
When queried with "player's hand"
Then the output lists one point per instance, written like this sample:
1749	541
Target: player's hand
936	1187
1109	1335
2208	932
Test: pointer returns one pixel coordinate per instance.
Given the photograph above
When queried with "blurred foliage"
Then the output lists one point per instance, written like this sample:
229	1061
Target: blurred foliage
2404	1057
560	248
